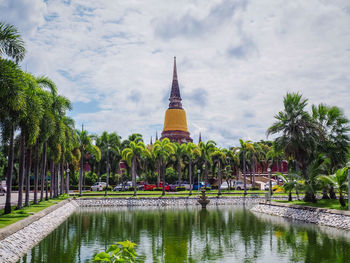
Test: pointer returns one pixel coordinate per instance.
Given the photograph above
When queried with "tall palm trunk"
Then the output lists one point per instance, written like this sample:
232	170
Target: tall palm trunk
179	172
219	175
162	168
158	175
36	174
81	171
9	172
244	176
107	170
57	169
29	168
67	179
52	178
133	173
21	171
62	179
206	174
253	170
43	173
190	174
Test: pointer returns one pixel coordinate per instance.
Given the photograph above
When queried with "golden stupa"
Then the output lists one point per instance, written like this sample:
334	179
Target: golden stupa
175	123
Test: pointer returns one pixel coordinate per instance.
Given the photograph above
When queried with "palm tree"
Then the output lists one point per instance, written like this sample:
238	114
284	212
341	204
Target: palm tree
108	144
12	103
30	128
163	150
219	158
291	183
339	181
335	125
192	153
11	43
86	146
299	133
180	150
245	147
206	150
132	155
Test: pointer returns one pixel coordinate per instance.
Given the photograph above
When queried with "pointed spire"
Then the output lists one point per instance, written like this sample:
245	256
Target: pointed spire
156	136
151	143
175	97
200	137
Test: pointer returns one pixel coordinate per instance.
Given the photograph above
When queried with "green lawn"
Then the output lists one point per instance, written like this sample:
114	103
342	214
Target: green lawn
173	194
331	204
17	215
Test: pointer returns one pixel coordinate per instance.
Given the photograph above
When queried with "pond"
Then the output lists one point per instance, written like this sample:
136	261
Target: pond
189	234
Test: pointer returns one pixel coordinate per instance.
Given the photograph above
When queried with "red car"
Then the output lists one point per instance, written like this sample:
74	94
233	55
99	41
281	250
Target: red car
150	187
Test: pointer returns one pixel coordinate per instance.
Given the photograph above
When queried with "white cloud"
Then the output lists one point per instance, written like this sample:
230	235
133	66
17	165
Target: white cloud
235	61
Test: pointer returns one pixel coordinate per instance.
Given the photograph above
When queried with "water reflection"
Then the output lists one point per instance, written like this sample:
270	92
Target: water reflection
219	234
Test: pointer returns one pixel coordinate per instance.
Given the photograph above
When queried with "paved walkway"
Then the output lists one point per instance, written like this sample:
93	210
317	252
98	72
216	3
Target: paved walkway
14	198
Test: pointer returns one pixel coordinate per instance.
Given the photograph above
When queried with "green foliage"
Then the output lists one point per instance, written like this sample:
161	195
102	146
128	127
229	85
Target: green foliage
180	188
119	252
170	175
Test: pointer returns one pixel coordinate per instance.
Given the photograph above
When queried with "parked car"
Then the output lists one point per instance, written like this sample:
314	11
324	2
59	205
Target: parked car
123	187
151	187
239	185
179	184
267	186
195	185
98	186
223	186
3	187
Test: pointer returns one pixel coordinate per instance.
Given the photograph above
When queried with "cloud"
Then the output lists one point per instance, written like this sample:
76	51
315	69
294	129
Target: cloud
236	60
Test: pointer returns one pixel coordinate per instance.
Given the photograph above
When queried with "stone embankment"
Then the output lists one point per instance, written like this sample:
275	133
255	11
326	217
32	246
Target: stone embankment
168	201
320	216
20	237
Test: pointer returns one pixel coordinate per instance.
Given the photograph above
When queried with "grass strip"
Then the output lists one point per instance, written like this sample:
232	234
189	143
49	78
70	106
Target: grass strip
321	203
20	214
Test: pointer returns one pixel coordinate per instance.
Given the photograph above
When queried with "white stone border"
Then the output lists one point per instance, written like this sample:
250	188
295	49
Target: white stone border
319	216
16	245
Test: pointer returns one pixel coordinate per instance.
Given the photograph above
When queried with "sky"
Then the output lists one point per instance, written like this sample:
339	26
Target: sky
236	60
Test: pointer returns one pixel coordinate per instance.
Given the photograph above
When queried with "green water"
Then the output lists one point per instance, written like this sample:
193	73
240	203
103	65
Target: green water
220	234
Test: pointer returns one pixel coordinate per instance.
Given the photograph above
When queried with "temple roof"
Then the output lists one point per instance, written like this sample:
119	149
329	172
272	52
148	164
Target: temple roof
175	97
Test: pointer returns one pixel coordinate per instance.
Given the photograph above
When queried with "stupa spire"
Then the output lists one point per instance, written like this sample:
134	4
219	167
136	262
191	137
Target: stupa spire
200	138
175	97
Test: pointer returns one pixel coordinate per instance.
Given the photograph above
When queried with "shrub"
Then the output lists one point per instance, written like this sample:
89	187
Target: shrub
207	188
109	188
131	188
180	188
255	188
214	187
157	189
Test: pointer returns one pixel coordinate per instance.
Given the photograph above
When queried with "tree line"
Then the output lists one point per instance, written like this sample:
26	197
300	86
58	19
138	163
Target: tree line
39	139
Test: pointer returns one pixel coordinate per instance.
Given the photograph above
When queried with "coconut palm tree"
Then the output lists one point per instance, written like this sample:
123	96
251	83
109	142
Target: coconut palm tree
11	43
339	181
192	153
299	133
132	155
219	159
243	156
109	145
163	150
207	148
12	103
86	146
180	150
291	183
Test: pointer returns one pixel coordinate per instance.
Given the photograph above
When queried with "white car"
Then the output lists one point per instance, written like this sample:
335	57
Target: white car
98	186
121	187
224	186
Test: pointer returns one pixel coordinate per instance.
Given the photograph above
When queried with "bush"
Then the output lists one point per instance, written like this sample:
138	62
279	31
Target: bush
255	188
180	188
157	189
109	188
214	187
131	188
207	188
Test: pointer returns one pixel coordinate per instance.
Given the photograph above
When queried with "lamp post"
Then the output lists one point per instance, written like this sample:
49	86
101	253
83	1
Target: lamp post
198	171
67	180
348	164
269	172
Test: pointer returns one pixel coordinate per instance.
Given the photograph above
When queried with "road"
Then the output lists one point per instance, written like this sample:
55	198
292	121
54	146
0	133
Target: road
14	198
